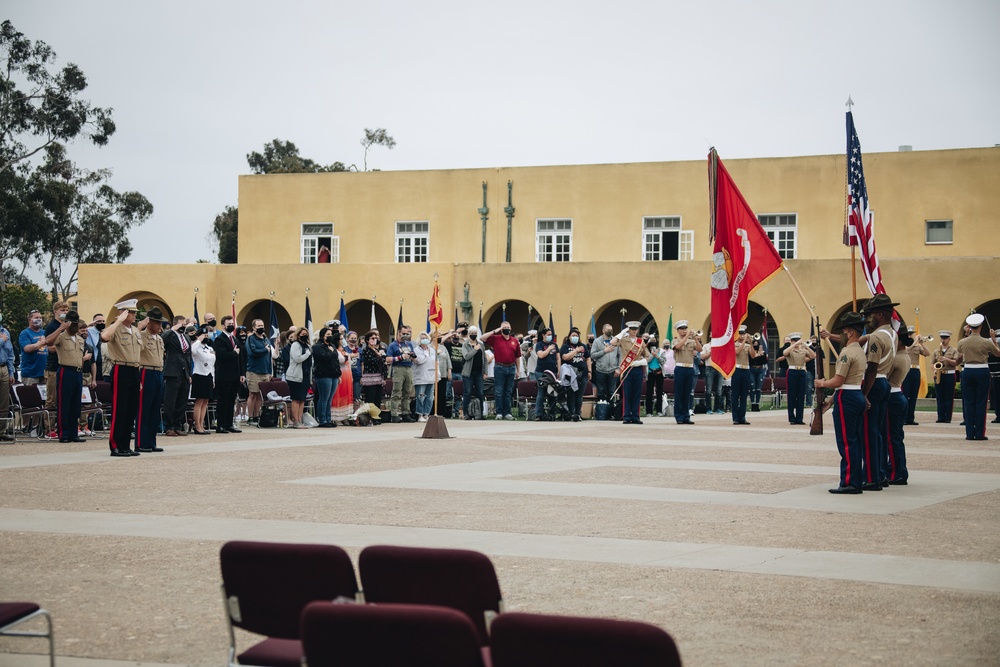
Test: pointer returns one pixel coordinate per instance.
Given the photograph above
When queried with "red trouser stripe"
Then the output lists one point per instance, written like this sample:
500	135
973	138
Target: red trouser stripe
138	422
59	404
868	451
843	432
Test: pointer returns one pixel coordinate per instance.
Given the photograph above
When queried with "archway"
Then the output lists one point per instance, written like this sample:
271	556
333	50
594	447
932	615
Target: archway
145	301
991	310
517	313
261	310
617	313
359	318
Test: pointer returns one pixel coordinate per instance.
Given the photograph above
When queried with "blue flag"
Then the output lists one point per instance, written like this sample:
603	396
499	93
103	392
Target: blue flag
309	319
197	320
343	315
593	326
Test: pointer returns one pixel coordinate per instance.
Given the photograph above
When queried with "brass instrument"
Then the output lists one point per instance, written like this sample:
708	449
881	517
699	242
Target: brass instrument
938	367
698	333
924	339
756	336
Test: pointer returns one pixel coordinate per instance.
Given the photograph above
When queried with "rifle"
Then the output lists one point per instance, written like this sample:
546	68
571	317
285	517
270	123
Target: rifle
816	423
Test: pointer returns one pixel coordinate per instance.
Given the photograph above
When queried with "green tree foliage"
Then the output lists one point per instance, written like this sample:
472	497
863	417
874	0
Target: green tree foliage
225	229
18	300
39	106
377	137
282	157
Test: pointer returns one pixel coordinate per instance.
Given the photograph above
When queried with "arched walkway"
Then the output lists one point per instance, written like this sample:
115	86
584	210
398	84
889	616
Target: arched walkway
517	313
146	300
261	310
617	313
359	318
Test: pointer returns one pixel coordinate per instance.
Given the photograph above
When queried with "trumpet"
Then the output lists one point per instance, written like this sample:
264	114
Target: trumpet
698	333
921	339
756	336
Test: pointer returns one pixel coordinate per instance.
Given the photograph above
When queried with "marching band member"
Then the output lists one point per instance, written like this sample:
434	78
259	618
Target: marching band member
974	351
796	354
631	370
849	402
740	387
897	410
685	347
944	377
911	385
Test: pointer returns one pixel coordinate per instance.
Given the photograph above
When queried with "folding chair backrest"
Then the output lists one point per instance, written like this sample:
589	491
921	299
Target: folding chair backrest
388	635
28	397
527	389
539	640
104	393
268	585
457	578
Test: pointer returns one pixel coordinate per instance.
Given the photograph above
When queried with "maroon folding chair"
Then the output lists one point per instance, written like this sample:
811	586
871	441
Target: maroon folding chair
13	614
33	406
266	586
539	640
457	578
388	635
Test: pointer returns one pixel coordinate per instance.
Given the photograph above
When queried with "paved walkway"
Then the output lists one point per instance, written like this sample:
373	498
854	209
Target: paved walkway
723	535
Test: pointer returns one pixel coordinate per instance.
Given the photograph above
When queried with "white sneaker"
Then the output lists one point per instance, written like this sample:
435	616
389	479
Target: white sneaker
422	419
509	417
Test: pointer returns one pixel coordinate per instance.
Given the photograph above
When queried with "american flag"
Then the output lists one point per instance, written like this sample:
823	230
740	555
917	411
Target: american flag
860	230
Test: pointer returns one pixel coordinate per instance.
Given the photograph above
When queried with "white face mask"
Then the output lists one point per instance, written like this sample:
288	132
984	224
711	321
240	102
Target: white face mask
425	342
574	339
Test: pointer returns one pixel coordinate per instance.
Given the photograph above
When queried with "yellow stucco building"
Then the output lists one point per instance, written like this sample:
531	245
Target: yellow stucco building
587	239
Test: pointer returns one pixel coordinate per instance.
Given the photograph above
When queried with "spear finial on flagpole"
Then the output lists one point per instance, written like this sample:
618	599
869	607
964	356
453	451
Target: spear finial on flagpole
849	103
272	295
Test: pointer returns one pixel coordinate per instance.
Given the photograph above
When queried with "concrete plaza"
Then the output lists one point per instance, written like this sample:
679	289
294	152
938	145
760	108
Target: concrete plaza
723	535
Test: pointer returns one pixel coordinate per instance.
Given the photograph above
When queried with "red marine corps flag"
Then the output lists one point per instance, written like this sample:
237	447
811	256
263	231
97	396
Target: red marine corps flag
435	314
744	259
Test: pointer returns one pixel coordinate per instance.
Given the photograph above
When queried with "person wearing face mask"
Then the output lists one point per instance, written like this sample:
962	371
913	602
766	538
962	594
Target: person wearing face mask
423	377
849	403
327	373
473	370
299	376
176	376
547	355
400	356
342	403
605	357
373	368
202	377
229	375
259	353
34	352
654	378
506	353
576	354
59	310
124	347
150	381
352	378
210	326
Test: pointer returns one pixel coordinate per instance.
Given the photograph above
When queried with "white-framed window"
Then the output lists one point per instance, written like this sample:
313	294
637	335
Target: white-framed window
554	240
938	232
781	229
663	238
412	240
319	245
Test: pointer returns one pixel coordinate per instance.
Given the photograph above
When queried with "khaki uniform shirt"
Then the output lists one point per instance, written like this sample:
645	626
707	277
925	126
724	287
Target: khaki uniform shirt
882	349
69	350
899	370
625	343
797	356
125	346
975	349
915	356
151	355
950	353
743	355
685	355
851	364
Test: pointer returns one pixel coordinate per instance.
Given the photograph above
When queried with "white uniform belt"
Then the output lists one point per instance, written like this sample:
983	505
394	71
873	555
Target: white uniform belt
796	368
914	366
851	387
639	362
684	365
948	372
896	390
977	365
741	366
880	375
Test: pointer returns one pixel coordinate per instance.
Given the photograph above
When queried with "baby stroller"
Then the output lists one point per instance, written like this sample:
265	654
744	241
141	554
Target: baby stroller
555	402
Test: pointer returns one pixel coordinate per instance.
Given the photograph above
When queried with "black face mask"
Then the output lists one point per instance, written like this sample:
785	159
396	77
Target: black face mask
473	336
230	328
210	323
99	326
259	330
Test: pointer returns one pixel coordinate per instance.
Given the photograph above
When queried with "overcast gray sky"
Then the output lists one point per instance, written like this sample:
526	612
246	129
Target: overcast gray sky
195	86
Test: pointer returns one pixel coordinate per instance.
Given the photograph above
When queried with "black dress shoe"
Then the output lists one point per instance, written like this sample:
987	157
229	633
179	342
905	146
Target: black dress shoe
133	452
942	421
845	489
996	421
872	486
637	421
897	482
912	424
982	437
235	430
150	449
743	423
121	453
222	430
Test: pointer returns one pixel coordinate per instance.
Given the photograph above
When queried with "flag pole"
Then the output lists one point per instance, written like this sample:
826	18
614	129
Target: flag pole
798	289
435	427
847	237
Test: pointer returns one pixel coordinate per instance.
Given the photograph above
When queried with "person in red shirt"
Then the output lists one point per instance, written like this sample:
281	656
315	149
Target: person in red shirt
506	353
